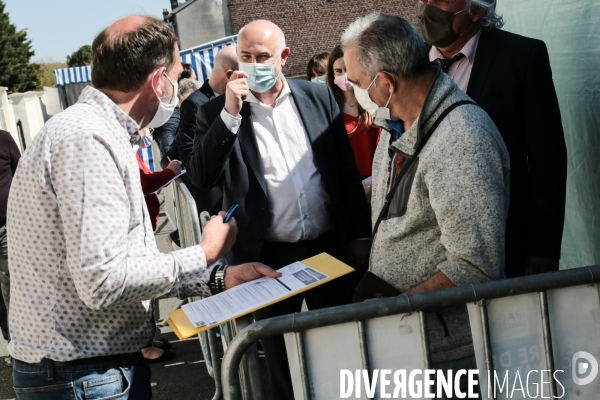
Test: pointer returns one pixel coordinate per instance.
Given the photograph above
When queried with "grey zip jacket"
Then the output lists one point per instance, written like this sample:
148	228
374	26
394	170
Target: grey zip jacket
449	211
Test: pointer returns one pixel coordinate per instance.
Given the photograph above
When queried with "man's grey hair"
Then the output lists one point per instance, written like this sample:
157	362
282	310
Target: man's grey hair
387	43
490	20
187	86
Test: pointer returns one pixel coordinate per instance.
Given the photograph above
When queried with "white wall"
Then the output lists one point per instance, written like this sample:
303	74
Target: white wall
28	110
50	102
199	22
7	117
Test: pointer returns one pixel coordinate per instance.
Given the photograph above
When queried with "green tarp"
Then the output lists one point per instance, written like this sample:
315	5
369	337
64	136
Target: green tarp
571	30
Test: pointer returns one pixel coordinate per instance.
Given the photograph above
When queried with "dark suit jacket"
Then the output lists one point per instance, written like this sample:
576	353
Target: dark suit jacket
233	160
512	81
165	137
207	199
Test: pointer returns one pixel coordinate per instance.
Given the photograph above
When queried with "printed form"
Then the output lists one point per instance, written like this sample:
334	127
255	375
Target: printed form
249	296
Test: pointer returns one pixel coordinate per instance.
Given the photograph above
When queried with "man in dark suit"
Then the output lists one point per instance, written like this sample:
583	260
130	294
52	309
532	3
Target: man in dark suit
509	76
207	199
280	150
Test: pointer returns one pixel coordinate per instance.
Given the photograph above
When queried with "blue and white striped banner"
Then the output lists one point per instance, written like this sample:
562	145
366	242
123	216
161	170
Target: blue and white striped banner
65	76
201	57
147	157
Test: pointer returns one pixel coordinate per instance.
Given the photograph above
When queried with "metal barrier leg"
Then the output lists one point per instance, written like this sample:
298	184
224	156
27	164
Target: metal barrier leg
487	348
205	347
216	361
227	334
303	365
364	350
425	342
250	376
155	310
548	342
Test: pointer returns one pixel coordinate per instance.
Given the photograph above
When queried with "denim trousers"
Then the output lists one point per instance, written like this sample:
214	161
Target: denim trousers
96	380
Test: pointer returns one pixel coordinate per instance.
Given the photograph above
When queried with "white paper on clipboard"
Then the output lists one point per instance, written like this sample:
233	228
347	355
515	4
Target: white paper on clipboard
183	172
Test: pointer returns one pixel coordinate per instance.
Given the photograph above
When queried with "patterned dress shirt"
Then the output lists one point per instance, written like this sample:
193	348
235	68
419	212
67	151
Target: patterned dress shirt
82	255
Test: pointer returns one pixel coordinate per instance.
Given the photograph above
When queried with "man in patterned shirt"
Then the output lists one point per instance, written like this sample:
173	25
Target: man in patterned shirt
82	254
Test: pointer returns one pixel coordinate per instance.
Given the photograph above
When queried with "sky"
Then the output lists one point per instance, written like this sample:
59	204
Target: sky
57	28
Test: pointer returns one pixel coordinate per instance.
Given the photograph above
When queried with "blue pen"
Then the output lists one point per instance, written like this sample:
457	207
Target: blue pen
230	213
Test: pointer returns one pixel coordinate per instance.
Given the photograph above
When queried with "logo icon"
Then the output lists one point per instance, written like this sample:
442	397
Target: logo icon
581	368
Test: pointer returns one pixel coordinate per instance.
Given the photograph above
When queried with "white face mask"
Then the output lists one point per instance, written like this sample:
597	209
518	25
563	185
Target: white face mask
363	98
342	82
164	111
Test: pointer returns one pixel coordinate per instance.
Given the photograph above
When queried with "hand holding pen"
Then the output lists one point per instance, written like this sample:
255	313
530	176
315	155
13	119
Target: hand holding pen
219	237
175	166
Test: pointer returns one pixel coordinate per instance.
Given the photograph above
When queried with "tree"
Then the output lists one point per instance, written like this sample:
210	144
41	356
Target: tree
81	57
46	75
16	72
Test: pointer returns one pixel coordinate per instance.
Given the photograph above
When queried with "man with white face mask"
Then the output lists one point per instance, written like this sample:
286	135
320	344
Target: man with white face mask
279	149
81	249
440	190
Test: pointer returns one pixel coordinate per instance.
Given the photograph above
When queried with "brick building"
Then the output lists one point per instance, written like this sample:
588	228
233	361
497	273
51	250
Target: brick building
312	26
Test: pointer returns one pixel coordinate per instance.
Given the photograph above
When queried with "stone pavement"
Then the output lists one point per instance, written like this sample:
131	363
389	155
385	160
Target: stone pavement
184	377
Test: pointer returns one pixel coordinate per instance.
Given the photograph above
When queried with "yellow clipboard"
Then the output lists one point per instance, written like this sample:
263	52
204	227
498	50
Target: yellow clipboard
330	266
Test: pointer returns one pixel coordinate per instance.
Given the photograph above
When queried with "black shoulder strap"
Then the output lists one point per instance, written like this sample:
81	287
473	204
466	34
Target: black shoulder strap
406	165
439	120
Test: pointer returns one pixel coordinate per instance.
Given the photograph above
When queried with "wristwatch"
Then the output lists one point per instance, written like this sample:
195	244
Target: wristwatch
216	283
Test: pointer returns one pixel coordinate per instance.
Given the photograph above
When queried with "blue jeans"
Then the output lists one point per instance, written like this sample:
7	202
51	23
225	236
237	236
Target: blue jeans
102	380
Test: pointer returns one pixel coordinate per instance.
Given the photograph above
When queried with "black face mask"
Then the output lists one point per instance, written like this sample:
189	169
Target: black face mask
436	25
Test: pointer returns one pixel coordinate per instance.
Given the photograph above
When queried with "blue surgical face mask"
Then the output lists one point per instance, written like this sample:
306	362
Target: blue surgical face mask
261	76
319	79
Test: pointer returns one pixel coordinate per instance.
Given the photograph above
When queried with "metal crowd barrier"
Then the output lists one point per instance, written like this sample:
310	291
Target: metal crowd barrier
168	206
190	234
180	209
539	322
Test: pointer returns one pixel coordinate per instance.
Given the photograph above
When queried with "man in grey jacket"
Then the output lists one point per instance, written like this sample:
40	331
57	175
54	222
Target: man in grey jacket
444	225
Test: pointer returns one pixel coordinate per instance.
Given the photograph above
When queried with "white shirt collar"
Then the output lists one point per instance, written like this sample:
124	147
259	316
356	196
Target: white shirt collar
251	98
468	49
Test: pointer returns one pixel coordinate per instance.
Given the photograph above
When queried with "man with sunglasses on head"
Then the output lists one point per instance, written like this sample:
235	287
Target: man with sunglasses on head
509	76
